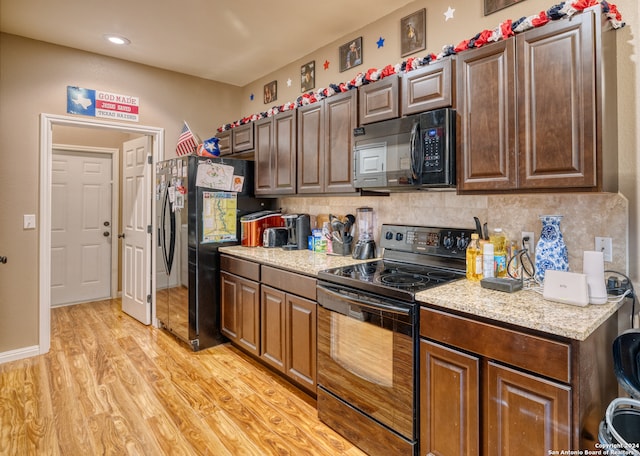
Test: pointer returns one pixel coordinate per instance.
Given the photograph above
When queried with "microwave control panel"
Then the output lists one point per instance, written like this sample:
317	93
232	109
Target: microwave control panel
434	148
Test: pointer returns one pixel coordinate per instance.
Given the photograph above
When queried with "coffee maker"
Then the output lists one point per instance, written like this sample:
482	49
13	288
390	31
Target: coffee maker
365	248
298	230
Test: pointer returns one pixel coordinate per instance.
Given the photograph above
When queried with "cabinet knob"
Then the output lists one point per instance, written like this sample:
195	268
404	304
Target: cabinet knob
3	259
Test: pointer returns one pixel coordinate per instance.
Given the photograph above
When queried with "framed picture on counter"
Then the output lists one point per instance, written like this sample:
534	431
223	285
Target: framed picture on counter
270	92
413	32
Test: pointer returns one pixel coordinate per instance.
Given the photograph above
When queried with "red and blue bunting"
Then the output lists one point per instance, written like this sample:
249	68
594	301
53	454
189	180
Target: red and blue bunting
505	30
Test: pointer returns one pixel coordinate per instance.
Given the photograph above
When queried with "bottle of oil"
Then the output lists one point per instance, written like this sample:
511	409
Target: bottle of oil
474	259
499	242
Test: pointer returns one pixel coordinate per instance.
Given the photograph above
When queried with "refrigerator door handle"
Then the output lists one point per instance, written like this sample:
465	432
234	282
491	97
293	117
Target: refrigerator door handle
167	256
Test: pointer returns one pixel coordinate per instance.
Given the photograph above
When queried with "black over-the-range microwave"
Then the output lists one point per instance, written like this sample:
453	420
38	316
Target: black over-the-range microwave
407	153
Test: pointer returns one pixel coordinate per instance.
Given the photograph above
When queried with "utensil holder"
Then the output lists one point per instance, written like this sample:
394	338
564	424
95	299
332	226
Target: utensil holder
341	248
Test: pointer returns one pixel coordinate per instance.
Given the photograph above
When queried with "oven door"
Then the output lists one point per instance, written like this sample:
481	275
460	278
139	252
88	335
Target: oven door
366	348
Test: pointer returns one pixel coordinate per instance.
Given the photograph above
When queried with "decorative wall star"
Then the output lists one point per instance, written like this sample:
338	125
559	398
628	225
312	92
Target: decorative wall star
289	82
380	42
326	64
449	14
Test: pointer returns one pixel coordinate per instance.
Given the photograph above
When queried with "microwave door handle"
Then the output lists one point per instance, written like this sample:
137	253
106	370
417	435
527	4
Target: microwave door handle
416	153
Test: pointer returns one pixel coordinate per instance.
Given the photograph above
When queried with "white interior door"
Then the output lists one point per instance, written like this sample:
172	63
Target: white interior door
136	218
80	227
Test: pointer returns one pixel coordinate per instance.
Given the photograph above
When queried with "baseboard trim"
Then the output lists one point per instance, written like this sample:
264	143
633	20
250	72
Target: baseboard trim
20	353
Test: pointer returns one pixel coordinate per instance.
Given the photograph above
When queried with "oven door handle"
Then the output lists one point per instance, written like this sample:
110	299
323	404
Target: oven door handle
386	307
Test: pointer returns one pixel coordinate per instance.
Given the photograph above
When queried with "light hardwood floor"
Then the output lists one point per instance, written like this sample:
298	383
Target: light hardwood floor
112	386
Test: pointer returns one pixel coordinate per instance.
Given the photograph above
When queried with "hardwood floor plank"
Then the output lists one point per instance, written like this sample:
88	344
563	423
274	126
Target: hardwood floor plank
112	386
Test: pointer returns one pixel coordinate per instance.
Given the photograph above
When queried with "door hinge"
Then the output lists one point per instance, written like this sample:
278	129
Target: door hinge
148	229
148	299
149	160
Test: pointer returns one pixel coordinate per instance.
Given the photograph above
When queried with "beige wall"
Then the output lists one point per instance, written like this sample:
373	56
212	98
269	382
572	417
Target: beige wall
34	76
469	20
33	80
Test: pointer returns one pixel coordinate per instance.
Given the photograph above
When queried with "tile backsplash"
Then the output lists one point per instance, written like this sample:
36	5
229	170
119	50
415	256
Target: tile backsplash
585	215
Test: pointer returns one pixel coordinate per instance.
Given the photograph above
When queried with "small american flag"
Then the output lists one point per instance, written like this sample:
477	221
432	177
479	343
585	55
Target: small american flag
187	142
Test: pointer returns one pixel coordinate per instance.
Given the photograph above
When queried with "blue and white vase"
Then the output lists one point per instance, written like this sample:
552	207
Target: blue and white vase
551	251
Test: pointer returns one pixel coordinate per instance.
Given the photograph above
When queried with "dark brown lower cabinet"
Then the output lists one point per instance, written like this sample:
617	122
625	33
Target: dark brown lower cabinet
449	401
240	312
492	389
525	414
289	335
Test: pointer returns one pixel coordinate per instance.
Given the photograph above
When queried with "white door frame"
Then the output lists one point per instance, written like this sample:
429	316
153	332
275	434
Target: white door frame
47	121
115	206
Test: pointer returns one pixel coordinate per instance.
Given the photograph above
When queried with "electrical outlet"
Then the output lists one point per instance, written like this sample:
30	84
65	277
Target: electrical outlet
531	243
605	245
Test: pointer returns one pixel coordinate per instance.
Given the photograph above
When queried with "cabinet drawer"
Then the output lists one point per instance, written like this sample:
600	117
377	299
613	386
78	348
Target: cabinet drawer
224	142
242	138
533	353
430	87
240	267
379	101
290	282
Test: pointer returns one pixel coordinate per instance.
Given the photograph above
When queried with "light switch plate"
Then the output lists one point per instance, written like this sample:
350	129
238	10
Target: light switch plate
29	222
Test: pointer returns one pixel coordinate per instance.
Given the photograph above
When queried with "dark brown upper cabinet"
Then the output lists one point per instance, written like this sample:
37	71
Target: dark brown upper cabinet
325	144
538	111
275	154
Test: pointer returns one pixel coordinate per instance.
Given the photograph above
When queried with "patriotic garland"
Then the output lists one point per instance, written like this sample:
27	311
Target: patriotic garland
505	30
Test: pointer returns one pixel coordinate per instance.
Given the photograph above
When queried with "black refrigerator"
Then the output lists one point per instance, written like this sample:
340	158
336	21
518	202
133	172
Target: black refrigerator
199	202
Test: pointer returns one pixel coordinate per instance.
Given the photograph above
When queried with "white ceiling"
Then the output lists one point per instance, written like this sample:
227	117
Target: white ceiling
234	42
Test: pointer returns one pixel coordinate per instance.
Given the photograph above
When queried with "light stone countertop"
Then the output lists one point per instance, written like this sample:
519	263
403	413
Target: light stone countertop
523	308
301	261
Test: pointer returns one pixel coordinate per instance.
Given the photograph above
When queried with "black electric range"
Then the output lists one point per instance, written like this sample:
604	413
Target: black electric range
414	259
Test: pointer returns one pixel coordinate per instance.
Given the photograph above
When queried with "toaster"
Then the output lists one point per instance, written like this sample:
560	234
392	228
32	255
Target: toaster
274	237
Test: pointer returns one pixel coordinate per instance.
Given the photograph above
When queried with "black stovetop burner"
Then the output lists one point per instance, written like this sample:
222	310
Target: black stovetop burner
389	278
415	259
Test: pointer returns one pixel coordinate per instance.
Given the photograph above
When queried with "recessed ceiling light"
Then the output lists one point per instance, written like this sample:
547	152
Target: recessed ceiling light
117	39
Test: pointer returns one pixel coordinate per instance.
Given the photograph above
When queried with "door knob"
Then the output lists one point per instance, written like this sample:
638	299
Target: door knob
106	234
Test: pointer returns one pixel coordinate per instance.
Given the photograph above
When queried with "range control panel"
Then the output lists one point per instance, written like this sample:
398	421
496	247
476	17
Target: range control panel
448	242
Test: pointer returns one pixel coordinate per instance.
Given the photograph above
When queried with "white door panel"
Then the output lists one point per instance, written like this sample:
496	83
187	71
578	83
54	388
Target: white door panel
136	200
80	217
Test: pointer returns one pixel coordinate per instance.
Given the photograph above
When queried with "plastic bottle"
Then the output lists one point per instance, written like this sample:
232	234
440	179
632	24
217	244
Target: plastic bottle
487	260
474	259
499	242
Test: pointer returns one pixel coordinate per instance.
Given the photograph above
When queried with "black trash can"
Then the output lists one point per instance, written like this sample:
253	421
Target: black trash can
619	432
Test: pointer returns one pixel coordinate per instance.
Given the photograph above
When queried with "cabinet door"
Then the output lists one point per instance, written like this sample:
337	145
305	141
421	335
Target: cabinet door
242	138
525	414
300	323
229	311
339	121
557	105
449	401
264	159
311	142
272	306
379	101
224	142
430	87
486	158
240	311
284	150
